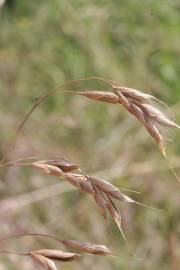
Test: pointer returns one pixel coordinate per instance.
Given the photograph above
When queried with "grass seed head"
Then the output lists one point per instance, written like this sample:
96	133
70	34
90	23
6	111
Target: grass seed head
141	106
99	96
57	255
88	248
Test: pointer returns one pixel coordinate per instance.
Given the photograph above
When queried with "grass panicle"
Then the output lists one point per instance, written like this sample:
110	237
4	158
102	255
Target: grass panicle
102	191
46	257
144	107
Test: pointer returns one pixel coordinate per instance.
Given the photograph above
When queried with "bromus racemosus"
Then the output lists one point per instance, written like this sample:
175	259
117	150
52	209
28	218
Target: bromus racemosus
75	250
47	257
144	108
103	192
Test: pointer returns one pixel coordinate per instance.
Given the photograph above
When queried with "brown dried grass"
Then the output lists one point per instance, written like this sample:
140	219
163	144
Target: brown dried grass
144	108
46	257
141	106
137	103
103	192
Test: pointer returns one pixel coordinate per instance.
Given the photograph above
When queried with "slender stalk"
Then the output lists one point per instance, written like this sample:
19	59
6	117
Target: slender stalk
30	234
14	253
40	100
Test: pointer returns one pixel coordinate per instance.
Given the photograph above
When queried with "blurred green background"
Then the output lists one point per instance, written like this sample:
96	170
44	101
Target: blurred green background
45	43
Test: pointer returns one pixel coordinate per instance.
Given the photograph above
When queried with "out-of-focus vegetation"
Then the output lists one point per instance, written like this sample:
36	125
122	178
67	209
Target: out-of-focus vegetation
44	43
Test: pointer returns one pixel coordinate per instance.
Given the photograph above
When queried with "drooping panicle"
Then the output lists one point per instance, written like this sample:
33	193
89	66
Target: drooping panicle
141	105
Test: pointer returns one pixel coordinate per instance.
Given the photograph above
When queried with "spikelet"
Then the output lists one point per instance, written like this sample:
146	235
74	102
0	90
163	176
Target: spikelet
57	255
98	95
88	248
